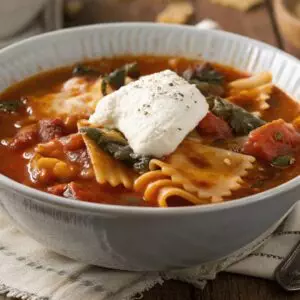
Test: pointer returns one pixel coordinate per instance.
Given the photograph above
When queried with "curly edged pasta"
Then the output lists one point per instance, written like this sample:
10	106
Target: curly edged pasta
158	187
194	172
106	168
252	93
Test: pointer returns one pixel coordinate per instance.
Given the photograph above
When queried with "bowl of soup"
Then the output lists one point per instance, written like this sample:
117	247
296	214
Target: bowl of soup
147	146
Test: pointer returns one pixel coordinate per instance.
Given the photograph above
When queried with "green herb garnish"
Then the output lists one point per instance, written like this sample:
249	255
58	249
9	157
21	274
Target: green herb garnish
283	161
82	70
10	106
258	184
103	87
208	80
278	136
116	79
240	120
113	143
208	74
132	70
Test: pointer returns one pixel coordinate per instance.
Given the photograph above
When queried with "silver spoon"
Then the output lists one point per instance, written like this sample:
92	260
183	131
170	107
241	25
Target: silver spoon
287	273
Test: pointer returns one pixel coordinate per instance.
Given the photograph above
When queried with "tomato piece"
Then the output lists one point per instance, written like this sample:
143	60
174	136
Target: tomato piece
26	137
215	127
72	142
50	129
272	140
57	190
78	191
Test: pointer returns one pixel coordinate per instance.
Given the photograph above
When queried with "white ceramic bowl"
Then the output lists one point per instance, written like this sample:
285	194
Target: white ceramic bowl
15	14
134	238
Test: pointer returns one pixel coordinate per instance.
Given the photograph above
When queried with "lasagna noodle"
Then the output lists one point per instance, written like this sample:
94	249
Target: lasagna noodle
75	98
78	97
252	93
196	173
156	186
106	168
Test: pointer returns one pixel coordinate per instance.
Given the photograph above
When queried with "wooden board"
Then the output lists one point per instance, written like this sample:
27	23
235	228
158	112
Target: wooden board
225	287
255	23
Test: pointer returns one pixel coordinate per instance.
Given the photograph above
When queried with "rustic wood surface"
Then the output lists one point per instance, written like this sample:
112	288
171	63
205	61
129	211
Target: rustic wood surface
259	23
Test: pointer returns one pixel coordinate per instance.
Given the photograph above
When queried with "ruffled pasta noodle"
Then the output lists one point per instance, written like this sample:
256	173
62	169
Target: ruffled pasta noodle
106	168
252	93
194	172
251	82
156	186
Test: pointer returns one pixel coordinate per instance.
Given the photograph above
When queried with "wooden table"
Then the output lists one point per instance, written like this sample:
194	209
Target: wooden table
258	23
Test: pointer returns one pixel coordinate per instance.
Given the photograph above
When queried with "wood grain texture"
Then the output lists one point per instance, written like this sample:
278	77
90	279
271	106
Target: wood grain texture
257	24
225	287
286	45
99	11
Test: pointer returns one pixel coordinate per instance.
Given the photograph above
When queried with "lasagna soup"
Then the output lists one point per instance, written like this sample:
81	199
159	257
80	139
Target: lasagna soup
149	131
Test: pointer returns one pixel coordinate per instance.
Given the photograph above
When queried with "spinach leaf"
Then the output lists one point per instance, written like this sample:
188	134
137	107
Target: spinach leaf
240	120
208	80
132	70
103	87
10	106
283	161
258	184
205	73
82	70
113	143
116	79
208	89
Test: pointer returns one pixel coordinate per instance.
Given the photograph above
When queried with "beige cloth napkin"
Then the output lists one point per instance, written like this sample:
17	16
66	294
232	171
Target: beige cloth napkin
31	272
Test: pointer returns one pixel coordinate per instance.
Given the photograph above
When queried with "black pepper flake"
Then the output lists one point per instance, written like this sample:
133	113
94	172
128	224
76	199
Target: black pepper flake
179	128
195	101
187	106
171	84
180	94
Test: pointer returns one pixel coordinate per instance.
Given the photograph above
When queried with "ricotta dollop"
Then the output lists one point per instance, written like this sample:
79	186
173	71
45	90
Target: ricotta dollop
155	113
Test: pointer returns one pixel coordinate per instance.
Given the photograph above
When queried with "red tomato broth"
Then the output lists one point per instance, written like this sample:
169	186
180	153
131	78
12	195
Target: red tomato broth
14	163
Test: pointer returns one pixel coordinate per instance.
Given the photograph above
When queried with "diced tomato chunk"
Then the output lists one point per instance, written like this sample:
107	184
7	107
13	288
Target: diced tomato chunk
272	140
214	126
73	142
58	189
80	192
25	137
50	129
80	156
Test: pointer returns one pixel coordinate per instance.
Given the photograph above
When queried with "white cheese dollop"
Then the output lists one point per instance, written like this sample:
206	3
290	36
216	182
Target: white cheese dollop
155	113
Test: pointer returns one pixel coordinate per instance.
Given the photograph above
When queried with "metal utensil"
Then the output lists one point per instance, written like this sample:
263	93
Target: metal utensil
287	273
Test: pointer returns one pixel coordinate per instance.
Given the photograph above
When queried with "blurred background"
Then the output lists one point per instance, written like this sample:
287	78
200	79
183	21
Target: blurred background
276	22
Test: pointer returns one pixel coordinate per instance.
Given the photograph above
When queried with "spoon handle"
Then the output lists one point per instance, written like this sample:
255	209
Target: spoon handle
287	273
